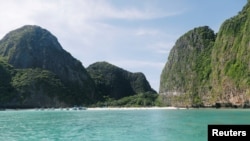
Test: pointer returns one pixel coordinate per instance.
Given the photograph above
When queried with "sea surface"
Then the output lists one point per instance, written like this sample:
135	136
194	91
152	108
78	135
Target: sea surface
115	125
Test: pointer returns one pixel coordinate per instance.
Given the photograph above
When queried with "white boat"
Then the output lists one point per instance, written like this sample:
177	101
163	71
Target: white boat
82	108
79	108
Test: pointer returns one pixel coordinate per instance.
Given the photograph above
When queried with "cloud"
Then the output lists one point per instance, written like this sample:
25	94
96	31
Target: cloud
82	18
161	47
99	9
78	11
146	32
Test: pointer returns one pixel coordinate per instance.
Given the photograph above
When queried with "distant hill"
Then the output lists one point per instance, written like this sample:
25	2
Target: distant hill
116	82
204	69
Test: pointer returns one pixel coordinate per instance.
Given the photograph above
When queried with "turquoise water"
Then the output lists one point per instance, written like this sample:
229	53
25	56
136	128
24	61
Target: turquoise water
115	125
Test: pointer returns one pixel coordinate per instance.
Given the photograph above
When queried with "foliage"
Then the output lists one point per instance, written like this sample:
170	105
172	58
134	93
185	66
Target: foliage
25	80
210	68
138	100
189	64
6	89
17	85
230	53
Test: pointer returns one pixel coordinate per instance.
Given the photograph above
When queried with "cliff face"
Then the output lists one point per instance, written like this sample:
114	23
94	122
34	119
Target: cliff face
31	47
204	69
231	60
186	74
117	83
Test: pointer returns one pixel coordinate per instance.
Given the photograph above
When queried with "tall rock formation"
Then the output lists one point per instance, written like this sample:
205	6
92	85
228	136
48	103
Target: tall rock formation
231	60
186	74
32	47
204	69
117	83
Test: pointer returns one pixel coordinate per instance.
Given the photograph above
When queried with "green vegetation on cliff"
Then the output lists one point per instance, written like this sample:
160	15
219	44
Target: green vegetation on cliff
230	60
34	85
204	69
138	100
6	89
18	86
189	66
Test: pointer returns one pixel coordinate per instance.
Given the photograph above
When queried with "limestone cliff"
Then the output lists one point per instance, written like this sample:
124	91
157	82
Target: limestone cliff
187	72
208	70
231	60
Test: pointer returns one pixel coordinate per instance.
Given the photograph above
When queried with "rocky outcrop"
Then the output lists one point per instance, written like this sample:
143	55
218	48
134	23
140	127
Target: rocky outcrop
117	83
208	70
230	60
186	74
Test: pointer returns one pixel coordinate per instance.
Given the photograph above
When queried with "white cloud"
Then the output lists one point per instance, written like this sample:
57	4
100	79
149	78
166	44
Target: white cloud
100	9
82	18
161	47
147	32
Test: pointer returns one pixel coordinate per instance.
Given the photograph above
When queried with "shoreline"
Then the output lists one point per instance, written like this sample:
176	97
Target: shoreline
134	108
111	108
93	109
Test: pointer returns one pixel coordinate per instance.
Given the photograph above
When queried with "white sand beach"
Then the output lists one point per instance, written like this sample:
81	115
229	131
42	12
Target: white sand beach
96	109
134	108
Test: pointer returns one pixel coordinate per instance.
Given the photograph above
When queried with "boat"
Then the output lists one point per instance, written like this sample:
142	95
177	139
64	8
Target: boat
82	108
74	108
79	108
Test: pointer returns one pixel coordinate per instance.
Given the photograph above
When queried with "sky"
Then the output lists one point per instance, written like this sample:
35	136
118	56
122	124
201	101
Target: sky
136	35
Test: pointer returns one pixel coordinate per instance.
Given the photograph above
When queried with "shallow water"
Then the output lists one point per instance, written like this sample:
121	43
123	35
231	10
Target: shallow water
115	125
